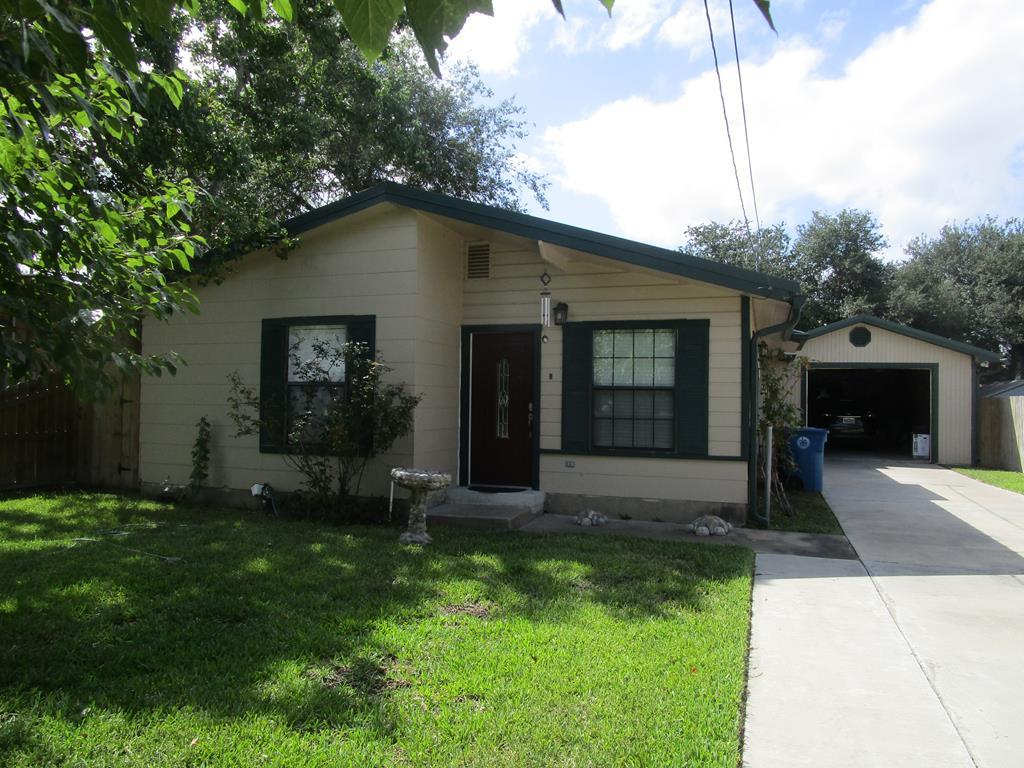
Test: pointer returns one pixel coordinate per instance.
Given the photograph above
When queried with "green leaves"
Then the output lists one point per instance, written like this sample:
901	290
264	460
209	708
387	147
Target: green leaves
107	231
112	32
764	7
370	23
434	20
171	85
284	9
87	257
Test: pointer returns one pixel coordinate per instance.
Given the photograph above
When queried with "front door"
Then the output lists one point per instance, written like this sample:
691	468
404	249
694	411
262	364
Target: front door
502	411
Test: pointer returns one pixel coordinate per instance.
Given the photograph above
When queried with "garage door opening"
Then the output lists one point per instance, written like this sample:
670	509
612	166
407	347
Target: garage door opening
871	410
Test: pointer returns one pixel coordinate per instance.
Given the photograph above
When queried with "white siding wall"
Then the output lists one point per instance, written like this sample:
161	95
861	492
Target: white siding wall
598	290
363	265
438	336
955	381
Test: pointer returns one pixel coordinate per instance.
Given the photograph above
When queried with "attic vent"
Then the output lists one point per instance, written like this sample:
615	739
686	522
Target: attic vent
478	260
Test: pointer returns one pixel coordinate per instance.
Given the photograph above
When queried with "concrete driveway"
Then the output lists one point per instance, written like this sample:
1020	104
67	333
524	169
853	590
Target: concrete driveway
910	657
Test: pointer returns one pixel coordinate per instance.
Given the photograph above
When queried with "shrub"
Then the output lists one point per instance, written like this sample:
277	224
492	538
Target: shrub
200	456
338	427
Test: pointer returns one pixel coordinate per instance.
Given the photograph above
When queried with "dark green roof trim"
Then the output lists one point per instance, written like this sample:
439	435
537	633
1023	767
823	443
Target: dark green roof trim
534	228
905	330
1004	389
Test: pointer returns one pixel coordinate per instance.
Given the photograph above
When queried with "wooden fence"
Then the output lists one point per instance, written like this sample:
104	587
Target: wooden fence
1001	433
49	438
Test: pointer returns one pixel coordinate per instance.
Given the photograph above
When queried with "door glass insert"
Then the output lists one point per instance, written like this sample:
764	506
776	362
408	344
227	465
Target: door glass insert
501	431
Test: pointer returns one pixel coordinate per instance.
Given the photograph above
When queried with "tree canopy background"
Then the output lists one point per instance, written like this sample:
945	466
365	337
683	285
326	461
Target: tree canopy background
965	283
120	169
281	118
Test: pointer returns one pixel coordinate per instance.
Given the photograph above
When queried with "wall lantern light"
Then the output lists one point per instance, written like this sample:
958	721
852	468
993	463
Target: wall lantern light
561	313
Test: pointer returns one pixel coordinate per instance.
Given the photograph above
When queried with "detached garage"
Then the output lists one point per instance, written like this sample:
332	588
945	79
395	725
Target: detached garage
875	384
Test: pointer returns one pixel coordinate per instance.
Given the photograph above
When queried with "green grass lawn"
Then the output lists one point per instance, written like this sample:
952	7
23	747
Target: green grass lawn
255	641
811	514
1011	481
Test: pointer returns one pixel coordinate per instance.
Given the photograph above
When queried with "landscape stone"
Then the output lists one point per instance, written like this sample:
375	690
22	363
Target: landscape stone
709	525
590	517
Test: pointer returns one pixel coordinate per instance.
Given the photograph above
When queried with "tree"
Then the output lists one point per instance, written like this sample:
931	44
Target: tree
967	283
283	119
838	266
87	246
834	259
83	253
97	225
767	250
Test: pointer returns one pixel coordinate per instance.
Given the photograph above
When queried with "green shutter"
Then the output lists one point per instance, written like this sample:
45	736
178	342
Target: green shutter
362	329
273	385
692	387
577	344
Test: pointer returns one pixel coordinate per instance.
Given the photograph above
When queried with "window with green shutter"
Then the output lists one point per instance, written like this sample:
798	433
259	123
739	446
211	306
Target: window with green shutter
287	343
636	388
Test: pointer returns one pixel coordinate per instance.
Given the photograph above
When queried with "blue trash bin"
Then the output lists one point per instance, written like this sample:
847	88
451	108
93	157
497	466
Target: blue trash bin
808	447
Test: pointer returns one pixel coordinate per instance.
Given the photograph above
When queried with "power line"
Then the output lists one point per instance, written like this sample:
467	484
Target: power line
743	106
725	115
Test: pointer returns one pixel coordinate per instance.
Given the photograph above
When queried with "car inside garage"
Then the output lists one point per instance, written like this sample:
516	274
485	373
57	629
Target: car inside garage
871	410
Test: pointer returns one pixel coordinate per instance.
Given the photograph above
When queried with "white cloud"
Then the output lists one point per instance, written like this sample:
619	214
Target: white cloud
833	24
572	36
688	27
495	43
923	126
633	20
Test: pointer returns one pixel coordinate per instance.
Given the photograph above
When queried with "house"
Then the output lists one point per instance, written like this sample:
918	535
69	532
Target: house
639	403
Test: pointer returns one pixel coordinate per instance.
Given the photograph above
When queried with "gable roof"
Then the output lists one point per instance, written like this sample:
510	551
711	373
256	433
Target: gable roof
905	330
577	238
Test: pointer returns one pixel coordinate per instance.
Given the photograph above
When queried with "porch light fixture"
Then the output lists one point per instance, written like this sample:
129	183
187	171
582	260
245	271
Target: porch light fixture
561	313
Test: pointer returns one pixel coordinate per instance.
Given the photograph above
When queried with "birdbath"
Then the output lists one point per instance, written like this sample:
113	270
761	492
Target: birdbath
419	483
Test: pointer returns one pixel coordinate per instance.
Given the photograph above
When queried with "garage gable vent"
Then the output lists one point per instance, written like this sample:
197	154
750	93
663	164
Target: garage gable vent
860	336
478	261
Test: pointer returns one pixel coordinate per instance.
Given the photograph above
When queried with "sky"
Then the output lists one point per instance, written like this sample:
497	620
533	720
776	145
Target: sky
912	110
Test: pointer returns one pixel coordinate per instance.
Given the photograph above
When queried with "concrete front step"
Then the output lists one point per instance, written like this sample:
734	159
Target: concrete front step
484	517
529	499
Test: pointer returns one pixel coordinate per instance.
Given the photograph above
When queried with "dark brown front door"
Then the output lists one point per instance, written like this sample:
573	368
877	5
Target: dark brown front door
501	409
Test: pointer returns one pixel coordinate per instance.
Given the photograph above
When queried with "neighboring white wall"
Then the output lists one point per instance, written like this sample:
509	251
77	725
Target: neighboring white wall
598	289
438	337
955	380
361	265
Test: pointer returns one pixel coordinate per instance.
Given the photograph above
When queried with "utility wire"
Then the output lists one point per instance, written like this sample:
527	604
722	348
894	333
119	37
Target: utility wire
725	115
743	106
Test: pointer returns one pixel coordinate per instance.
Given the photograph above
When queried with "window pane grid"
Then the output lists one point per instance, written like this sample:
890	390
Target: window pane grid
634	388
316	377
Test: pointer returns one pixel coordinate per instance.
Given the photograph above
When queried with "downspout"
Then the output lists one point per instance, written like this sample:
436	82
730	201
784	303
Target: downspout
786	327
